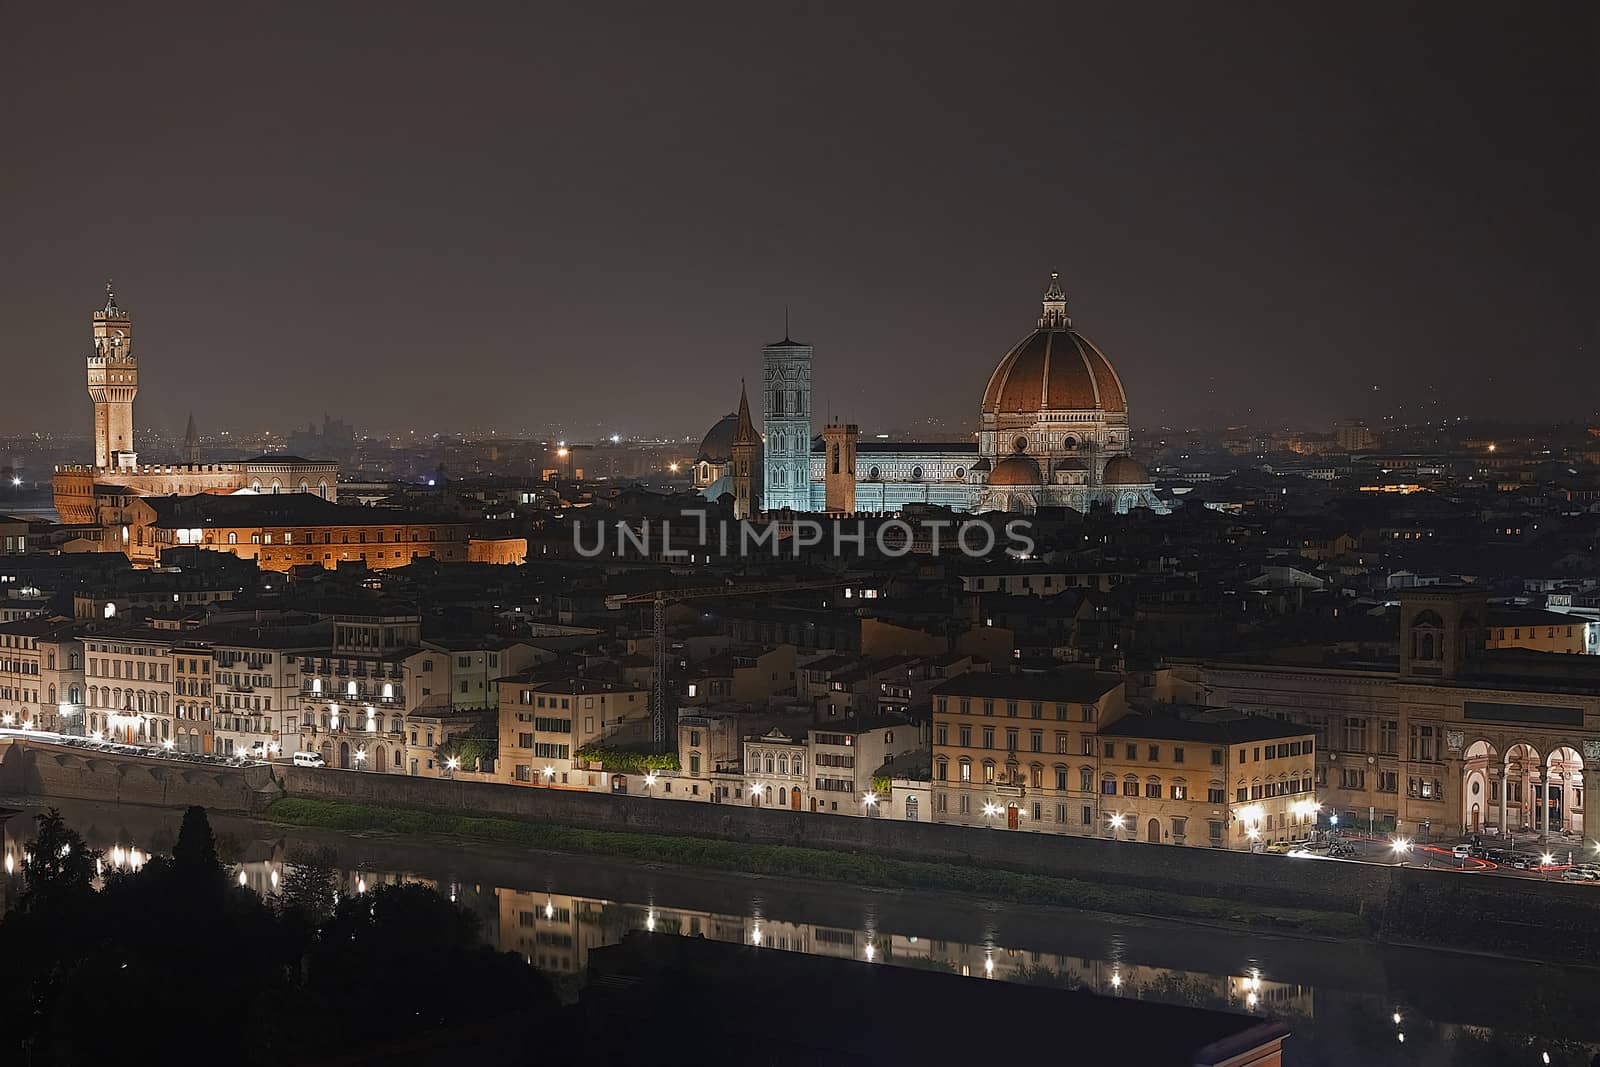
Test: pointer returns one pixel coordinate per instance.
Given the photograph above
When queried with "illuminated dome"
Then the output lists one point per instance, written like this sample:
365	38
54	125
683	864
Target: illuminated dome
1125	470
717	445
1055	368
1016	470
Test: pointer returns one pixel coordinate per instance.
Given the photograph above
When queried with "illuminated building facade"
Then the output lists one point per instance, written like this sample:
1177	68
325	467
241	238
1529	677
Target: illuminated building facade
113	382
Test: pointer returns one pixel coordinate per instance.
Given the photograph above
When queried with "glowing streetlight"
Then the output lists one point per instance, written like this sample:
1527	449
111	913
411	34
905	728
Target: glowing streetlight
872	951
561	453
549	773
650	920
755	935
673	467
361	755
15	481
990	810
1396	1018
167	744
1401	846
870	799
241	879
1116	979
988	966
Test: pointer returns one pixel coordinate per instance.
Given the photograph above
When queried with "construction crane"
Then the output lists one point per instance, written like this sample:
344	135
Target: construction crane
662	597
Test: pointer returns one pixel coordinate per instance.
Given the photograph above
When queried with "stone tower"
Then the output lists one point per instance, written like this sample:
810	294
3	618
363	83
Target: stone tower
1442	629
839	476
786	419
191	443
113	383
743	457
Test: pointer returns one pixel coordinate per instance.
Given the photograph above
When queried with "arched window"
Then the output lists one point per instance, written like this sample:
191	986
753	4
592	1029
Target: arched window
966	769
1152	787
783	764
1036	776
755	763
1086	779
1130	786
988	772
799	764
769	763
233	537
941	769
1180	789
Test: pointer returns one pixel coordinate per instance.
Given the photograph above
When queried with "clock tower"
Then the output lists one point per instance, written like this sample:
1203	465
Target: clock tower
113	383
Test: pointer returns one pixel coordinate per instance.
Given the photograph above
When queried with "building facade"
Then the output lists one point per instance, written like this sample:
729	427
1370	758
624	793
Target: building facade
1455	738
113	382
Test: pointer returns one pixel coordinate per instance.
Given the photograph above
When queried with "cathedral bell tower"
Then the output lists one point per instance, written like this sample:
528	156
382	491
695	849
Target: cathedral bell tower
786	418
113	383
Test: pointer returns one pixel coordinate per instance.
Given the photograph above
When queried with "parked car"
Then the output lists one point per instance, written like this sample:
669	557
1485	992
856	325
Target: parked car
309	759
1520	860
1575	874
1278	848
1462	852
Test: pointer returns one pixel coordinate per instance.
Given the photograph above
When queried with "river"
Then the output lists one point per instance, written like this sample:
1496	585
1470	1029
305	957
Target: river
1342	1000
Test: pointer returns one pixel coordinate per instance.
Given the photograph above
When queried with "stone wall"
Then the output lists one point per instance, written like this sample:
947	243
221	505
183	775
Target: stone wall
39	769
1244	877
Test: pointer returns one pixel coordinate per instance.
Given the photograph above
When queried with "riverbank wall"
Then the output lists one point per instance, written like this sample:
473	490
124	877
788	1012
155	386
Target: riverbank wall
32	768
1431	907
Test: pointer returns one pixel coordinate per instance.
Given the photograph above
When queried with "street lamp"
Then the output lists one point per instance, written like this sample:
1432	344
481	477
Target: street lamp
1401	846
649	780
1115	822
870	799
361	755
990	810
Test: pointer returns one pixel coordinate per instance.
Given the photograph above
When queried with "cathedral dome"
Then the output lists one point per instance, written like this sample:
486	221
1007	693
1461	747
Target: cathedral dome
1016	470
1125	470
717	445
1055	368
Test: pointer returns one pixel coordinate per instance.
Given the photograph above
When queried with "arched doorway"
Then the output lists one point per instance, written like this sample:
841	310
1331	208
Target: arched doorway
327	754
1563	788
380	759
1152	831
794	803
1012	816
1480	786
1524	783
344	755
755	798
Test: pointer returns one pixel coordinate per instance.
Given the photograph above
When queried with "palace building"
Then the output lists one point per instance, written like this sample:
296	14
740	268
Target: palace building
82	491
1053	432
1456	737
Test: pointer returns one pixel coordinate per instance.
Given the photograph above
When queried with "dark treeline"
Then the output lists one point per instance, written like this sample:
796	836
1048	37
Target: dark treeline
173	963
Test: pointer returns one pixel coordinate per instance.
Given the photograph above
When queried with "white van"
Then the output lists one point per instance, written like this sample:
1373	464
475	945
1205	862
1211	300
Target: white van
309	759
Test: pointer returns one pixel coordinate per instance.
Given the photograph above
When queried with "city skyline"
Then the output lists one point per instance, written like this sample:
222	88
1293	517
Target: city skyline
1212	191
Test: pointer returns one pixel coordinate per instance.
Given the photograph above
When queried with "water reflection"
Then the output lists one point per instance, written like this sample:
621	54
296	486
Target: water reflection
1345	1003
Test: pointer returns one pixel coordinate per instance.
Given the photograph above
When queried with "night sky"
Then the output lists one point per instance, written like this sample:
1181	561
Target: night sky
595	214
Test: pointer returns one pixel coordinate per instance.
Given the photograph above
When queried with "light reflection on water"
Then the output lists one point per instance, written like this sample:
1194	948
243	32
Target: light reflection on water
556	930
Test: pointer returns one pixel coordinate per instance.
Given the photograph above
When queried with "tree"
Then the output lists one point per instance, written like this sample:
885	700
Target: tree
59	869
308	885
194	857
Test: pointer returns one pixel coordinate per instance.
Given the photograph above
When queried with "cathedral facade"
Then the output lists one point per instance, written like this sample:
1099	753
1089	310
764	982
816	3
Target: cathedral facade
1053	432
82	490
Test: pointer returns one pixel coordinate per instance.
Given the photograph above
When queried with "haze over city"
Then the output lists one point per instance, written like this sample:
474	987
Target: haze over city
596	217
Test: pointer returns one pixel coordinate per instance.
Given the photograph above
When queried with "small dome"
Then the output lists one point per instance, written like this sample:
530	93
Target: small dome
1016	470
717	445
1125	470
1076	466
